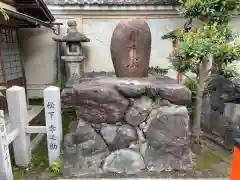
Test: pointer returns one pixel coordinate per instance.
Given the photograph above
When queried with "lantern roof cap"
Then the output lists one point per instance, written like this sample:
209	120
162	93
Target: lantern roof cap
73	35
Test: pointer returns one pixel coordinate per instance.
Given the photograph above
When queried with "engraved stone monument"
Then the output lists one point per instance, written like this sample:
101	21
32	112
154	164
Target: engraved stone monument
131	48
74	56
129	124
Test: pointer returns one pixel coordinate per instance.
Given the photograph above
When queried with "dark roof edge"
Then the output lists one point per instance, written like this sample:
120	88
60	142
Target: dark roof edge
23	17
45	8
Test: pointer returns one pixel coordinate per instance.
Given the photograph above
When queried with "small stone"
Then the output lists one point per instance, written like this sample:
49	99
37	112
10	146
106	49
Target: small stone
139	111
133	146
118	136
84	151
142	125
125	161
167	134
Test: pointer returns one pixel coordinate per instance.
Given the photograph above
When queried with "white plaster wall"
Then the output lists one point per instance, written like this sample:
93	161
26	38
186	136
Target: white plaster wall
39	48
39	54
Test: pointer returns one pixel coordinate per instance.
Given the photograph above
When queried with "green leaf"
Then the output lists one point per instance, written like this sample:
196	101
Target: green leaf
6	17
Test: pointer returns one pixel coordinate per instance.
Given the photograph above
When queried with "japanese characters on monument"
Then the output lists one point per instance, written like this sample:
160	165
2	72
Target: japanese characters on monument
52	104
5	161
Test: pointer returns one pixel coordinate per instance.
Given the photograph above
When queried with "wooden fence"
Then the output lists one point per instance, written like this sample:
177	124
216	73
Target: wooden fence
20	129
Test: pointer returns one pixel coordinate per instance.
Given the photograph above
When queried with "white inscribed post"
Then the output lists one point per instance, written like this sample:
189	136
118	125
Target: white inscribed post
5	167
52	105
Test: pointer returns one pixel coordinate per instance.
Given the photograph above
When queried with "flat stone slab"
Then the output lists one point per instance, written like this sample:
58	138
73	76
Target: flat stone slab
163	87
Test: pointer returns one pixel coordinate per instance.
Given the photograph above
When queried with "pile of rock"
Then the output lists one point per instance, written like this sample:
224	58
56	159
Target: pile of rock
220	110
127	126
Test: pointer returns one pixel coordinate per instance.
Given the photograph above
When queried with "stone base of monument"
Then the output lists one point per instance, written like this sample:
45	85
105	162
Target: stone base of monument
127	126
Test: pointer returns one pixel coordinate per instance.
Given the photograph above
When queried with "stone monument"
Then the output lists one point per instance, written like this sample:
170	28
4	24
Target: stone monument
131	123
74	56
131	48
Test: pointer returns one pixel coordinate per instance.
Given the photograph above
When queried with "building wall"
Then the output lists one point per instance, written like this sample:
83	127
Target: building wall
38	52
39	48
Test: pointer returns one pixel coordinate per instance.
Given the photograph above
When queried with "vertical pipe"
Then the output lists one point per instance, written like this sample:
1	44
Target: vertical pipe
57	61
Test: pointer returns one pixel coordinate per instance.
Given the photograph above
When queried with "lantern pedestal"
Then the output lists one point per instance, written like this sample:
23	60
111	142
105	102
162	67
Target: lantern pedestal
74	66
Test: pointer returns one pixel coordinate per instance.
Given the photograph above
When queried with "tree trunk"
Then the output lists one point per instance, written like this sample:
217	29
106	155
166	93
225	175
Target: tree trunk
204	73
196	127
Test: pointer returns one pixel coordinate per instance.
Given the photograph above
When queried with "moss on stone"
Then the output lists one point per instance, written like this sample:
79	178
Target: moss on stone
207	159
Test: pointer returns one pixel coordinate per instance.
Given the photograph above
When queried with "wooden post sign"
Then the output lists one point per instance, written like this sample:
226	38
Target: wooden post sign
18	114
52	105
5	161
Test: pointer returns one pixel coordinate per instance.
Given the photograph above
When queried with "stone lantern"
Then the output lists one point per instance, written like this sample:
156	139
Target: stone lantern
74	55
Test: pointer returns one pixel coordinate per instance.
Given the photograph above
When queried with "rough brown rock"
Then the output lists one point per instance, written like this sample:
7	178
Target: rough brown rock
97	102
125	161
102	99
118	136
167	134
164	87
155	133
84	150
168	126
